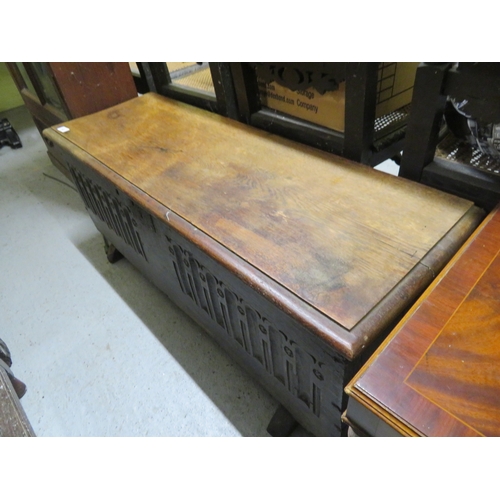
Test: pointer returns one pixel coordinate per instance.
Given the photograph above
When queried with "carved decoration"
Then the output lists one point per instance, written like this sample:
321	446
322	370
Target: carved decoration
300	372
109	209
322	77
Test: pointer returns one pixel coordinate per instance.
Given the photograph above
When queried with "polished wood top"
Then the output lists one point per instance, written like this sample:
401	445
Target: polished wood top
438	373
337	234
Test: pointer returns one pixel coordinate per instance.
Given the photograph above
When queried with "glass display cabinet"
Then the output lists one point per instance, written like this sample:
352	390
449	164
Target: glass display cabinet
57	92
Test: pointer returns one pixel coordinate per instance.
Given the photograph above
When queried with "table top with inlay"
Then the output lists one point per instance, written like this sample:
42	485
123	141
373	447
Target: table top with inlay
438	373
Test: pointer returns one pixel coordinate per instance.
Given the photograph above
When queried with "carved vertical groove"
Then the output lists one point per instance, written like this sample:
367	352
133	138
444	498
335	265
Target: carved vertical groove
282	358
109	209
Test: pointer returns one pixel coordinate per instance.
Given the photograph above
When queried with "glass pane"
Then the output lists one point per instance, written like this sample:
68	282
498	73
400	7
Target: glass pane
47	87
192	75
327	109
26	78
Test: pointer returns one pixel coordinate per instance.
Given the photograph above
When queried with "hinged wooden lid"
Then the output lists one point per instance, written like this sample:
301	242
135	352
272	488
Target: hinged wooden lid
338	235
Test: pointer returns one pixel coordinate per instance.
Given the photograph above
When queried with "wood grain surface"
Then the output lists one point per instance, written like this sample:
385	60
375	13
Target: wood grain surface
438	373
337	234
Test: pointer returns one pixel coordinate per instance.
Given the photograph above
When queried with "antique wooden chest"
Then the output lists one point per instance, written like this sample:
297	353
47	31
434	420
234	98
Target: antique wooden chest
296	261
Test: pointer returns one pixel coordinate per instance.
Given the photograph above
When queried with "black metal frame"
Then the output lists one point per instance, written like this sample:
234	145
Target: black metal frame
434	82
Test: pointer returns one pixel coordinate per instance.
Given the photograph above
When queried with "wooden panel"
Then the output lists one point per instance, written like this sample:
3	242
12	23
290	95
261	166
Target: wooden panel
438	374
90	87
336	234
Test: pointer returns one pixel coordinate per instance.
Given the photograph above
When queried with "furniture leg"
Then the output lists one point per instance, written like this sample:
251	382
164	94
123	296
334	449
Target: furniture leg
282	423
112	254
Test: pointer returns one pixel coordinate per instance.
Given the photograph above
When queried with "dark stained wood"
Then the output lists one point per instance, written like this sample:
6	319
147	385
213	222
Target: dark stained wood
296	261
464	181
360	104
425	120
438	373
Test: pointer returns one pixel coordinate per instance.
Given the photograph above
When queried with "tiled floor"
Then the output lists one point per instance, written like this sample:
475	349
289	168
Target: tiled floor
102	351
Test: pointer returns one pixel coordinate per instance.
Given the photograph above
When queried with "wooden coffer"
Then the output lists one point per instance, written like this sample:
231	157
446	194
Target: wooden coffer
296	261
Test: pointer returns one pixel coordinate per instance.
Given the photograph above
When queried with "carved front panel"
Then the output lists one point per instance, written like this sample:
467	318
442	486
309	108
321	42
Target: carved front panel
110	210
304	377
314	378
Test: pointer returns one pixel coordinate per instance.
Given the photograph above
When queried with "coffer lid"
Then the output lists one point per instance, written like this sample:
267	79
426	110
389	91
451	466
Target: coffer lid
338	235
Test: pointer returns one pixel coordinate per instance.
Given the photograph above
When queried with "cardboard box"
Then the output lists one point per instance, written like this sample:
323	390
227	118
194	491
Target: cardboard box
394	90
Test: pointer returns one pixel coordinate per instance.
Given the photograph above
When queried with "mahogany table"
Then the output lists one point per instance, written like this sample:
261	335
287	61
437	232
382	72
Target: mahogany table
296	261
438	373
